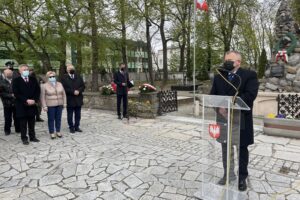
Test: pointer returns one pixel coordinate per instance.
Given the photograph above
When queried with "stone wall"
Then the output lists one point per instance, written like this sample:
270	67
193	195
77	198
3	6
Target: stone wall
284	20
289	81
139	105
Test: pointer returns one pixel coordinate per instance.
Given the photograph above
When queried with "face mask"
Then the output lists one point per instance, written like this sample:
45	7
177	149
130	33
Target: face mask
25	73
11	68
9	77
228	65
122	69
72	71
52	79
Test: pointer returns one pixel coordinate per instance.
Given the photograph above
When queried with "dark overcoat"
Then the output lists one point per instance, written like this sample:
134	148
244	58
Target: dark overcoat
247	92
120	78
6	93
70	85
24	91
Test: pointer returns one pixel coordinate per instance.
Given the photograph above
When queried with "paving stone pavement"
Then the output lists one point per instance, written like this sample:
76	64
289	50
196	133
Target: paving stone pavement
147	159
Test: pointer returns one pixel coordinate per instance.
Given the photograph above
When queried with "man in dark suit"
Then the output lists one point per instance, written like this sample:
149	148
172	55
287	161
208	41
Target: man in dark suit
74	87
121	79
27	92
8	100
247	92
10	65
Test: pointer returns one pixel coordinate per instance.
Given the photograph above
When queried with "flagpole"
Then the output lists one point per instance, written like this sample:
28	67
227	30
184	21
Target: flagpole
194	56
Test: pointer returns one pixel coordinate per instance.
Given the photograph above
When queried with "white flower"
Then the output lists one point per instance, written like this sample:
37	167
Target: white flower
144	88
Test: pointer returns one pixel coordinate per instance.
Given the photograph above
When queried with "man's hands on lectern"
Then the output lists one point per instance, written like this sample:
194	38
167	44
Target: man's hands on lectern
223	112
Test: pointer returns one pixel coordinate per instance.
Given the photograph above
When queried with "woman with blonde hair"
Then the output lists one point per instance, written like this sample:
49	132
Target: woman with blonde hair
53	99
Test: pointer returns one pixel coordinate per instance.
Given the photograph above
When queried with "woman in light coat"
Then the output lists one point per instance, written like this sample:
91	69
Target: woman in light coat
53	100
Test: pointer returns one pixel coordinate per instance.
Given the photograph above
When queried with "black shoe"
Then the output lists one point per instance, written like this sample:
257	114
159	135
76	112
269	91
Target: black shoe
72	130
34	140
25	142
125	116
119	117
17	131
7	132
222	181
78	130
39	120
242	185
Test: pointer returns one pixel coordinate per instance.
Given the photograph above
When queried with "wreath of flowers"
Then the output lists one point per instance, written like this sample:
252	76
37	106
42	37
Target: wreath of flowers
107	90
282	52
146	88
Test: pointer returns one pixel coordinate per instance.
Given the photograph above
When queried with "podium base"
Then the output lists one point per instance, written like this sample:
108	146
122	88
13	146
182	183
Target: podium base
211	191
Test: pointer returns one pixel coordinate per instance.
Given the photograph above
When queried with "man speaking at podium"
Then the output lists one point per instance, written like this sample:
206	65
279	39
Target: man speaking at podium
247	84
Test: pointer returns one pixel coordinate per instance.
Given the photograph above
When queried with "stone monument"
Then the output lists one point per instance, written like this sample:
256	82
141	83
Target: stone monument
283	75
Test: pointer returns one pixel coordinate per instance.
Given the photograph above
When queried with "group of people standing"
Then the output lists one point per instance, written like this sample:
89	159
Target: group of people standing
22	94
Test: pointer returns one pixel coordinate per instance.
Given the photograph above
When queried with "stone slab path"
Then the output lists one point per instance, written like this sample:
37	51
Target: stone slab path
144	159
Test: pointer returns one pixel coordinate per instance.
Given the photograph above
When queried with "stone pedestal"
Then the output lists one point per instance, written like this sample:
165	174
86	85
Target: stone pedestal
141	105
152	100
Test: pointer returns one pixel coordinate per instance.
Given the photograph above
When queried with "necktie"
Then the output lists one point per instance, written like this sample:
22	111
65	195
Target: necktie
26	79
230	76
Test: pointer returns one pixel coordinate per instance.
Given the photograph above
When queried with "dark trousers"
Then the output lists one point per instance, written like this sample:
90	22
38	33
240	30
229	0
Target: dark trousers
125	102
243	161
30	121
9	114
54	118
76	113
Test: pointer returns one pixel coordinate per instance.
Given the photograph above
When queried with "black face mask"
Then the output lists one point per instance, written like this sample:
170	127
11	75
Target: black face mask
228	65
122	69
72	71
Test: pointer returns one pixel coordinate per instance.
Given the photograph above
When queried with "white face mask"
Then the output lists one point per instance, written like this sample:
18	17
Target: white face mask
52	79
25	73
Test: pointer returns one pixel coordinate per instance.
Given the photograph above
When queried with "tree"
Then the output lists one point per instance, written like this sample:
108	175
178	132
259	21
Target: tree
262	63
28	22
91	7
245	38
62	14
181	35
226	13
161	9
144	9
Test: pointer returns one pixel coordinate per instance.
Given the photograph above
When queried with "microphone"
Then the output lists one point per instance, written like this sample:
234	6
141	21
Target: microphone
219	69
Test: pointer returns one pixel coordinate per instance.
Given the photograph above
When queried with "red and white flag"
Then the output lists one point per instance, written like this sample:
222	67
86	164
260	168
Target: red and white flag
202	5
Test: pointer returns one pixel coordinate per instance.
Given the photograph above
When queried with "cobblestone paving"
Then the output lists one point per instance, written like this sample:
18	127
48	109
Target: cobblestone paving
143	159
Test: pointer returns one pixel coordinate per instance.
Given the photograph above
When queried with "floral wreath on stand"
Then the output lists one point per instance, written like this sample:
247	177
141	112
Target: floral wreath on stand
285	46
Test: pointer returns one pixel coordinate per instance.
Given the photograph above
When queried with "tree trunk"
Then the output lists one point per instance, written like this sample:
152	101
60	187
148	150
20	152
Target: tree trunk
164	42
123	24
79	55
188	51
184	31
46	64
227	43
95	47
63	55
182	56
149	46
